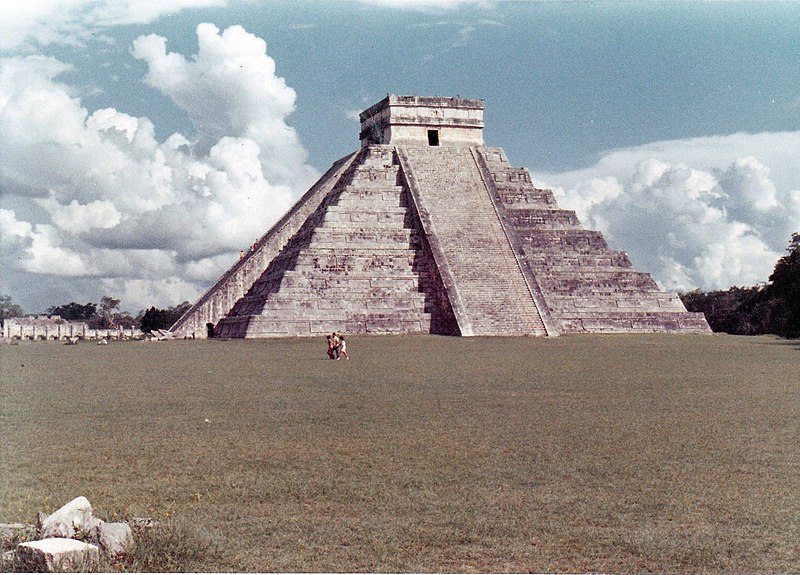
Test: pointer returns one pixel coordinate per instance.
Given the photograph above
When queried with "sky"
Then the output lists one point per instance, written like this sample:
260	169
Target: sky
143	143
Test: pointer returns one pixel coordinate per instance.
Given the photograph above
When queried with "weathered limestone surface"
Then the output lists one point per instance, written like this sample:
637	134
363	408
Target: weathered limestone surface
416	119
54	328
425	230
59	554
587	286
114	539
73	518
356	265
486	277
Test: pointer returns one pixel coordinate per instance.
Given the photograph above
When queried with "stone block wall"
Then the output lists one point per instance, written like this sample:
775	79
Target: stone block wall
223	295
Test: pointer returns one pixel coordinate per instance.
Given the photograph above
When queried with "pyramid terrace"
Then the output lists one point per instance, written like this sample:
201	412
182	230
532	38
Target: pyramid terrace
425	229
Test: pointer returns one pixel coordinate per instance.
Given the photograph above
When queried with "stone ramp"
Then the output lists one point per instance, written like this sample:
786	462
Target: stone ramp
487	289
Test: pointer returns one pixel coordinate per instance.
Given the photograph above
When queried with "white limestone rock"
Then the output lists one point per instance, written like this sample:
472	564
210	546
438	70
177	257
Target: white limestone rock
59	554
114	539
72	520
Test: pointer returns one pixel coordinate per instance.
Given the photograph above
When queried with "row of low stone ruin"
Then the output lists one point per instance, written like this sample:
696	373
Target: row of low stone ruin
58	329
89	335
70	539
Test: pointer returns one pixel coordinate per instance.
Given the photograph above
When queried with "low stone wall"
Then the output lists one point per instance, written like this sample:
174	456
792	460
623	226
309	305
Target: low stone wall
55	328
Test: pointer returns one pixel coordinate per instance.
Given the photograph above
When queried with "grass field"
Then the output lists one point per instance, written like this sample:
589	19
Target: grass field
674	454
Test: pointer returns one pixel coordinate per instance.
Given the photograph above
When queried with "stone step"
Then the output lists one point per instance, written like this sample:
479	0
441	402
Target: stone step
588	278
622	322
334	238
655	302
383	249
318	305
575	240
398	281
345	292
361	291
369	197
513	197
610	261
372	175
539	219
369	264
346	323
367	215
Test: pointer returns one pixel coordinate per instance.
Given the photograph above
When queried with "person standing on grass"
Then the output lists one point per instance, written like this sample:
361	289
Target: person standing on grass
335	343
341	346
331	348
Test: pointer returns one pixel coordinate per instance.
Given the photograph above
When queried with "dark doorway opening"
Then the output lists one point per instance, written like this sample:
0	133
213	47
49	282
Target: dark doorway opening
210	330
433	137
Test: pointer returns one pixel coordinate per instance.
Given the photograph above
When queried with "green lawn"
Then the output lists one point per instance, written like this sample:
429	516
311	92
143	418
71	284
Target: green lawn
675	454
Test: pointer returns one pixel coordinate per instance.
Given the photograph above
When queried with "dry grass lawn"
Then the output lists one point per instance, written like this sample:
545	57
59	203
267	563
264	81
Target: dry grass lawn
621	454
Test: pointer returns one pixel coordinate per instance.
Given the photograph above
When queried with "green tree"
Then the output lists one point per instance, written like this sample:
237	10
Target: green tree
8	308
155	318
737	310
773	308
74	311
784	292
107	314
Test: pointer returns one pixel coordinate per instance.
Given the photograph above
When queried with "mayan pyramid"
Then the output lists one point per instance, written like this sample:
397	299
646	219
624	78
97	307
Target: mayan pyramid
427	230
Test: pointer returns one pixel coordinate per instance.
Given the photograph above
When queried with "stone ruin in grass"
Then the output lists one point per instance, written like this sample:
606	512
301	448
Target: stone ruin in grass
44	327
427	230
70	539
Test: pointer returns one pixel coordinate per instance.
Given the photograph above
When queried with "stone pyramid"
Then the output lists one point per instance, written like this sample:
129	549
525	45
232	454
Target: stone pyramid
427	230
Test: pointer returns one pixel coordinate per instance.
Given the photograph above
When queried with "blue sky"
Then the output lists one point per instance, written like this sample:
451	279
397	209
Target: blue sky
673	127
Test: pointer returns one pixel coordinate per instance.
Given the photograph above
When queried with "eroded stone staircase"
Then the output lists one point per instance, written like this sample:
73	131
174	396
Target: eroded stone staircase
354	266
490	291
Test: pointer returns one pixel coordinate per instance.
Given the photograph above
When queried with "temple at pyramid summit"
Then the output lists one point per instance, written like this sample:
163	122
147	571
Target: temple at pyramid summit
425	229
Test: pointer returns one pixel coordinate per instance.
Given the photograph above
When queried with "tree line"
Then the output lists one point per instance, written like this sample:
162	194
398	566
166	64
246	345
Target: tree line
771	308
104	315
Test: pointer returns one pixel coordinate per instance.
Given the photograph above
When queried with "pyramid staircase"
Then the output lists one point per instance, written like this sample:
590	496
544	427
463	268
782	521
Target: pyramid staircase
489	291
356	265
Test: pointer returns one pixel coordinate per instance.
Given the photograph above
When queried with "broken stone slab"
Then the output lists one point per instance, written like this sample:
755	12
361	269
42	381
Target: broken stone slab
73	519
40	518
59	554
114	539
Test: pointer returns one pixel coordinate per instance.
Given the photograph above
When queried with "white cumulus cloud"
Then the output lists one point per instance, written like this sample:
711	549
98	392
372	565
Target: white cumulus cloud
706	212
94	194
30	23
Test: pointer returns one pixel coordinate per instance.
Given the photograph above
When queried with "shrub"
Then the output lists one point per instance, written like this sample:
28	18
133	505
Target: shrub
170	548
